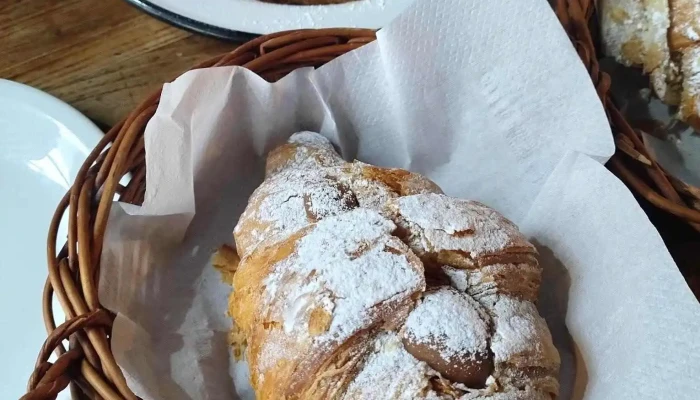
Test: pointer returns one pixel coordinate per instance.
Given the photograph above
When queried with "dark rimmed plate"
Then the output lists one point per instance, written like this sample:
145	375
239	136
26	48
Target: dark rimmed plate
240	20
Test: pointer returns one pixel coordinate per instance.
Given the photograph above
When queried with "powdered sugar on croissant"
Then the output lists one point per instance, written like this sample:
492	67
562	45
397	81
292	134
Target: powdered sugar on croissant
332	299
304	150
479	249
345	275
308	181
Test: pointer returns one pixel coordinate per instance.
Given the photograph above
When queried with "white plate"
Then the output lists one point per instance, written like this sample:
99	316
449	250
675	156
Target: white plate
226	18
43	143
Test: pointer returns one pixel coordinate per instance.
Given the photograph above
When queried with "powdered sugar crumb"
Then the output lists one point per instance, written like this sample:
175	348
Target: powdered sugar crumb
273	349
685	19
312	139
519	330
459	278
309	150
391	373
371	193
621	23
450	321
455	224
285	203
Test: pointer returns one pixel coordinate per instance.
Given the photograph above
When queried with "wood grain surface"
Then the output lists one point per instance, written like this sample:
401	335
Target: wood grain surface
101	56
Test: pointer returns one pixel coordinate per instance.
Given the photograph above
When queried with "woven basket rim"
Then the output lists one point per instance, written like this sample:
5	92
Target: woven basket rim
88	364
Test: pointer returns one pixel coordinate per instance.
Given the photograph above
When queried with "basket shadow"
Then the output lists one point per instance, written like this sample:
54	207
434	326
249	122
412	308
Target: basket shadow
553	306
187	331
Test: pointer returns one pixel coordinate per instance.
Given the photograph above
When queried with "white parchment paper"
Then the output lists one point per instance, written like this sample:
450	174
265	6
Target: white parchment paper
489	99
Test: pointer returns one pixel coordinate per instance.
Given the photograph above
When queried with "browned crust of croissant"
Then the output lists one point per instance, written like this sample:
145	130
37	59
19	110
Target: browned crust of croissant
402	182
685	22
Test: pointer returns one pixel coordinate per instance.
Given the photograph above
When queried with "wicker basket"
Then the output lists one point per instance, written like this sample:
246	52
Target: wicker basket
88	365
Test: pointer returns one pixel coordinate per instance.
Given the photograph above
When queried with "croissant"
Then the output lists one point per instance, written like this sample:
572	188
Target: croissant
361	282
663	37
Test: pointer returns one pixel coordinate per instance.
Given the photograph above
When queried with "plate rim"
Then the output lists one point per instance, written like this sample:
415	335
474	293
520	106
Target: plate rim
89	134
190	24
243	20
42	99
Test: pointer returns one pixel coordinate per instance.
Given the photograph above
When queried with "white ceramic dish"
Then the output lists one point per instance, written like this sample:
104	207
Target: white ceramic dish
229	18
43	142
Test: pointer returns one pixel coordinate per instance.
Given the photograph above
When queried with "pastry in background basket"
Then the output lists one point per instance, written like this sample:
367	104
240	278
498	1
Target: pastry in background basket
360	282
662	37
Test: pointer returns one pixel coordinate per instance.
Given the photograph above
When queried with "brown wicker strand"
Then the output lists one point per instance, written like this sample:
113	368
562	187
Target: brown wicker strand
81	389
48	377
117	172
669	200
329	51
78	304
268	60
54	377
289	38
654	170
106	164
50	325
253	46
54	372
71	289
99	385
236	60
53	259
89	286
138	181
137	153
65	330
47	313
650	194
88	350
624	144
110	136
361	39
98	337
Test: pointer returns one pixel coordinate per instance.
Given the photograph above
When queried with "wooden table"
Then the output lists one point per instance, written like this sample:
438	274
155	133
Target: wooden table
101	56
